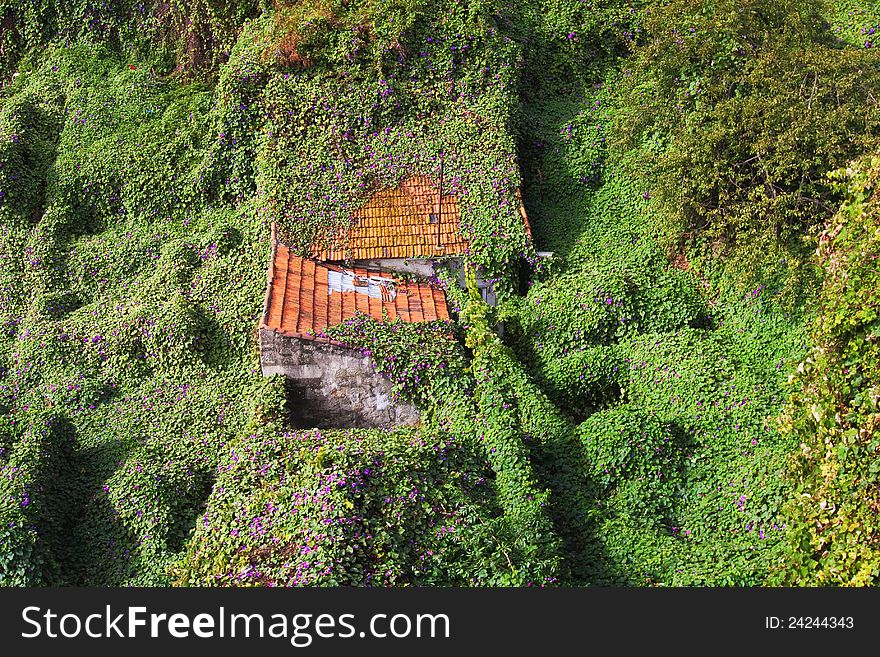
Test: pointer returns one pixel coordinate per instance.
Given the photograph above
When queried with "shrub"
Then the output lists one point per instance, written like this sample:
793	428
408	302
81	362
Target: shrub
746	106
834	411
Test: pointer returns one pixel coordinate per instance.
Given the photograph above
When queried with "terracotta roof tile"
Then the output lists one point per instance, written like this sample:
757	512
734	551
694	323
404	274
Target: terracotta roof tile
398	223
303	299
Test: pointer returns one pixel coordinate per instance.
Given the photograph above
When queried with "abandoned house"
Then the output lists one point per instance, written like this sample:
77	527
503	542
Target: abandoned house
407	231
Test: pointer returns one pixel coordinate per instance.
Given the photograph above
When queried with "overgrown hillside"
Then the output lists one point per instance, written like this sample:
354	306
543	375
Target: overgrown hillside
834	534
644	419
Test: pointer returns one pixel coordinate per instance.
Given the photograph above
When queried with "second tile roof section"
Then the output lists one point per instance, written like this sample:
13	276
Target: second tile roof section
403	222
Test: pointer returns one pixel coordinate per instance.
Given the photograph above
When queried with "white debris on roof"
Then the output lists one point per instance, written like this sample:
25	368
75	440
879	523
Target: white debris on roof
376	287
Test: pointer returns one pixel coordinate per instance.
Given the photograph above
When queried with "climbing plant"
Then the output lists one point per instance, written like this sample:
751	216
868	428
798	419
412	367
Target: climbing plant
833	412
612	421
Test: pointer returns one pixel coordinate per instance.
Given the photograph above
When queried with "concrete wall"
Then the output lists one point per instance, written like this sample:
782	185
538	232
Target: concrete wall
329	386
405	266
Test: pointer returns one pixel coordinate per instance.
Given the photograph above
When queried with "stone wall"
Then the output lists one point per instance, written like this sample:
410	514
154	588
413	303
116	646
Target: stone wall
329	386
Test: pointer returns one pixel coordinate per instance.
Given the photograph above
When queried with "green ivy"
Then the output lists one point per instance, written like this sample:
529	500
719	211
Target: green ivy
833	412
621	429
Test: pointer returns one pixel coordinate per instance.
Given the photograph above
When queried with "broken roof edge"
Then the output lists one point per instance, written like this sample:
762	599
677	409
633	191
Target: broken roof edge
311	337
322	337
524	215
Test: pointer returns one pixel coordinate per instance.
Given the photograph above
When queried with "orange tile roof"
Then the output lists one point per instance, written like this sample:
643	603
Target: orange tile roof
397	223
304	296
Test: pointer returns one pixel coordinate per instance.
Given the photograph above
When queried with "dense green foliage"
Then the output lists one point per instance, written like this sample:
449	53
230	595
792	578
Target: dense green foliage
369	114
623	426
348	507
191	38
834	413
746	106
119	317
